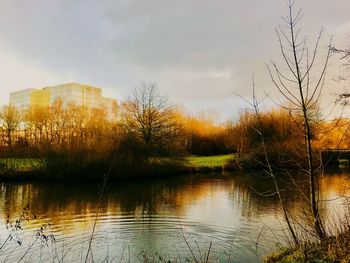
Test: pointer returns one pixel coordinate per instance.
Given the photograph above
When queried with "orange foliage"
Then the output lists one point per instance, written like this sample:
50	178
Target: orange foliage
202	135
335	135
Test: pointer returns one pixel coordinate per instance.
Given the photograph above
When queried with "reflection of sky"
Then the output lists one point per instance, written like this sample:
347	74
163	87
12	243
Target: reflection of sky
215	208
335	193
150	216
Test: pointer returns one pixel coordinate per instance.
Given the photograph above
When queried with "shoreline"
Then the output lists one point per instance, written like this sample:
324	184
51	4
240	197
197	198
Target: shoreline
334	248
190	165
40	176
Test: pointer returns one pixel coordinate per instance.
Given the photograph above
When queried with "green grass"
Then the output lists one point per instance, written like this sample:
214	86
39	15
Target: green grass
25	164
23	167
19	164
209	161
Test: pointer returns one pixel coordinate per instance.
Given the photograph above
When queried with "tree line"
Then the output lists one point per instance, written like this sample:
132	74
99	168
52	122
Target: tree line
147	120
145	127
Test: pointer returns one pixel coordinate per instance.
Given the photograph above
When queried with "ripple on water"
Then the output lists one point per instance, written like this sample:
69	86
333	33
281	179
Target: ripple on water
226	213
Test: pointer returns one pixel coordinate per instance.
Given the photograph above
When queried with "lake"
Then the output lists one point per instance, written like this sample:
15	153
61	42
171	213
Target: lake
154	219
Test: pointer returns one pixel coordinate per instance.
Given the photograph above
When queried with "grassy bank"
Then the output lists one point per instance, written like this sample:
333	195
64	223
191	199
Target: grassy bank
333	249
212	163
76	168
20	164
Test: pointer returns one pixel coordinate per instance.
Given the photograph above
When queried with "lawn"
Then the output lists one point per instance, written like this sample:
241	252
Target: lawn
209	161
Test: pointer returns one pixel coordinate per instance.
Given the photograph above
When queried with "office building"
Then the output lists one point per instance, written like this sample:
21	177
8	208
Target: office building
70	94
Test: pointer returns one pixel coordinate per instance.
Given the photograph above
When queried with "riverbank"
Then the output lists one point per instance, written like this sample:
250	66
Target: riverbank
215	163
17	169
333	249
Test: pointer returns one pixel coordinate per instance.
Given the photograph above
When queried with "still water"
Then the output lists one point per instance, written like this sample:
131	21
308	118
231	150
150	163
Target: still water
151	219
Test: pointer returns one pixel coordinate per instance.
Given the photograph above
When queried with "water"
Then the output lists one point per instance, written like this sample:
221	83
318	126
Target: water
152	218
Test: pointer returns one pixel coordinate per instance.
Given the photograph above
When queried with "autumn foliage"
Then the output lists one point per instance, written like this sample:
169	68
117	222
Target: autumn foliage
76	140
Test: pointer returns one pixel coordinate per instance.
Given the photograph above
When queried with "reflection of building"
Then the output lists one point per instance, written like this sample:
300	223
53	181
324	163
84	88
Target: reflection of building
74	94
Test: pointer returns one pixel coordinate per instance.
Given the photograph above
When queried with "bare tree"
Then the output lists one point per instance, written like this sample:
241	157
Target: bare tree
36	119
148	115
10	119
344	97
301	86
257	126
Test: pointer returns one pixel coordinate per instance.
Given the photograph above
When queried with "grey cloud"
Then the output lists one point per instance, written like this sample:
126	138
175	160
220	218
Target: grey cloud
194	50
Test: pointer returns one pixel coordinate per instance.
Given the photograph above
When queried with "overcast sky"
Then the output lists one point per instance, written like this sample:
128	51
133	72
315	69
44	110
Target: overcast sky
198	52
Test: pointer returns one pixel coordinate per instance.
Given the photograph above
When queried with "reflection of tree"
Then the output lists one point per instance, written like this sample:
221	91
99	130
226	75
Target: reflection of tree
144	199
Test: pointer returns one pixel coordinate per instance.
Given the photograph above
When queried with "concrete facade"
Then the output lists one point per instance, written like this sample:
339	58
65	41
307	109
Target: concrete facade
70	94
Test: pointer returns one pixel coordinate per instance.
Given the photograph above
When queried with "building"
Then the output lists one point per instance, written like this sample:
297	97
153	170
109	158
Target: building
27	97
70	94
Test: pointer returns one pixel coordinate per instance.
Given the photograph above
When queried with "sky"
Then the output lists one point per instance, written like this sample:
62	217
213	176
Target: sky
198	52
